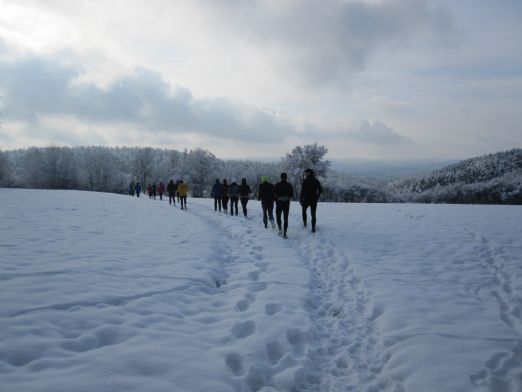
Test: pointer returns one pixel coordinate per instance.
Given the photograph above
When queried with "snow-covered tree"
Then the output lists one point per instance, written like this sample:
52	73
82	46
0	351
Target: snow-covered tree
309	156
52	167
4	169
198	169
143	165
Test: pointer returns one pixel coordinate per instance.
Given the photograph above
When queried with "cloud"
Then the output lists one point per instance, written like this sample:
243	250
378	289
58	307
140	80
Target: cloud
376	132
34	87
330	40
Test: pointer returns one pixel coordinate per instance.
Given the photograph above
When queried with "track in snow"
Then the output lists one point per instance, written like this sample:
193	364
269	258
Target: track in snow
342	351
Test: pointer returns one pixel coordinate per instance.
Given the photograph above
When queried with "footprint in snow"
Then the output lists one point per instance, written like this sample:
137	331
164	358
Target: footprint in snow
244	329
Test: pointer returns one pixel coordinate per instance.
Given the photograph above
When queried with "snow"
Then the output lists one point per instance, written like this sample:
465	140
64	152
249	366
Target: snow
107	292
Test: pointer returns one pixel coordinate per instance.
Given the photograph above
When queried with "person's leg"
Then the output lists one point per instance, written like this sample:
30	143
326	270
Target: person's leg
286	210
225	204
271	213
215	203
279	211
265	213
236	204
313	210
244	202
304	212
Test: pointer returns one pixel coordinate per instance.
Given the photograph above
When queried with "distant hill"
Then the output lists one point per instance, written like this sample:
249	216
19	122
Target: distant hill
387	170
494	178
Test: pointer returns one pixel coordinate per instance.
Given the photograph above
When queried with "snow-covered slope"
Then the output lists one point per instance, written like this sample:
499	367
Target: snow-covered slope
103	292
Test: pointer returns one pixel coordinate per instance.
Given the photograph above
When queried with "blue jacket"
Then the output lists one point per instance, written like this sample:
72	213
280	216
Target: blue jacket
217	190
138	188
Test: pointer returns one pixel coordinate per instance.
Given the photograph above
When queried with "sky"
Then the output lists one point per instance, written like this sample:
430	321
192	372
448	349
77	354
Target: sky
369	79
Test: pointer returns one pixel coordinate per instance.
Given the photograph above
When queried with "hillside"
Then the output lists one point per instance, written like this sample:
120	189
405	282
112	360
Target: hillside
110	292
494	178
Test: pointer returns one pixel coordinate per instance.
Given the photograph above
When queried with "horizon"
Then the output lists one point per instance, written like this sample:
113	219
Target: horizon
399	80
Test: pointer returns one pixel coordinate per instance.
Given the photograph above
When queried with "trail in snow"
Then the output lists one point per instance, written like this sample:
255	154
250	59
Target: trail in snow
342	349
349	354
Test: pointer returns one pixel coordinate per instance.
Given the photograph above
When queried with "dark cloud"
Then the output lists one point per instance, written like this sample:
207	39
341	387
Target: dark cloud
43	86
329	40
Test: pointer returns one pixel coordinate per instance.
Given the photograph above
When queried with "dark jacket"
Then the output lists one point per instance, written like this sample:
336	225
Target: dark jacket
284	191
138	187
217	190
224	191
310	190
244	190
171	188
266	193
233	191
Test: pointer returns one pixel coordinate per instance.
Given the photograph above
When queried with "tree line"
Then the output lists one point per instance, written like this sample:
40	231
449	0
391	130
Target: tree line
494	178
110	169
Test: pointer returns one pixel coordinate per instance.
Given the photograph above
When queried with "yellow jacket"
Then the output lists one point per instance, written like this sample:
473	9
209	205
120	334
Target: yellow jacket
183	189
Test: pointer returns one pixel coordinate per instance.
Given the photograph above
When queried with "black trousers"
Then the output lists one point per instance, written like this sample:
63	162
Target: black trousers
244	202
183	200
172	198
268	212
224	202
217	203
313	209
161	196
233	204
282	207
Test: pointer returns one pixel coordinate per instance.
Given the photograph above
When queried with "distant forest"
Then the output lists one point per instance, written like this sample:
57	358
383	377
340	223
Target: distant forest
490	179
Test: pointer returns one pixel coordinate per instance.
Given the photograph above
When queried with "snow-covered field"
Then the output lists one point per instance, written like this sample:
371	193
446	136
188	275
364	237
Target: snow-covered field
103	292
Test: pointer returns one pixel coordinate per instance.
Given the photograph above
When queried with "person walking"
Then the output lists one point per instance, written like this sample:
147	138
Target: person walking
224	195
138	189
217	194
177	189
233	193
149	191
284	192
161	190
266	194
183	192
154	190
244	195
131	188
310	192
171	190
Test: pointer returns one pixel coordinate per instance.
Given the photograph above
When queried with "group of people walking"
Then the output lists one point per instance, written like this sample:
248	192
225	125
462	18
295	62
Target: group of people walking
269	194
175	190
223	193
